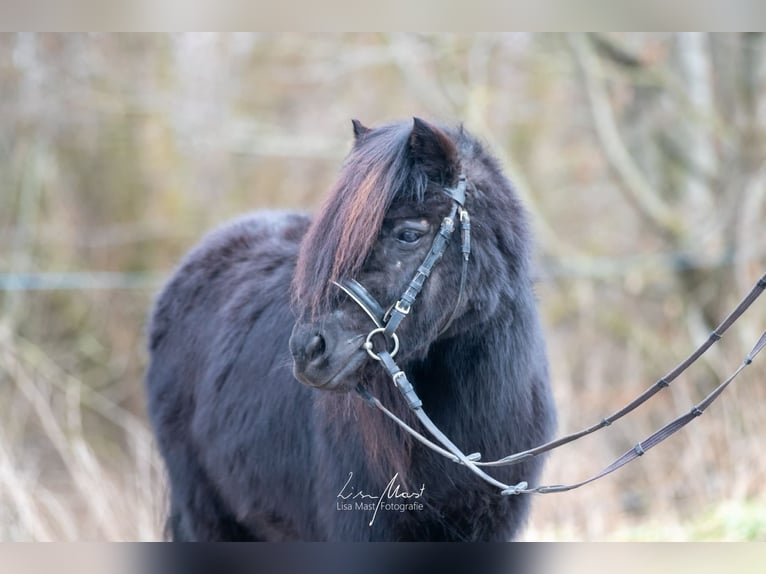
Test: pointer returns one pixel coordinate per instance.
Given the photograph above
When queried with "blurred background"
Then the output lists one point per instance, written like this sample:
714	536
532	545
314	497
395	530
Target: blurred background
639	156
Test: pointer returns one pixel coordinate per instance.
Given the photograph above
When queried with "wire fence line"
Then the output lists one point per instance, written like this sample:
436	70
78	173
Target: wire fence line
81	281
591	268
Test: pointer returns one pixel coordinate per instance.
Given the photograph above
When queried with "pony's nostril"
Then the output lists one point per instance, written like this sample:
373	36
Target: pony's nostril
315	348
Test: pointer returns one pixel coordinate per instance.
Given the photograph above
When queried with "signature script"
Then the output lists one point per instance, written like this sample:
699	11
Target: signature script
393	490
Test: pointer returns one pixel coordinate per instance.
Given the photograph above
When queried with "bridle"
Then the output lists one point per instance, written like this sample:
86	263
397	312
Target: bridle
388	320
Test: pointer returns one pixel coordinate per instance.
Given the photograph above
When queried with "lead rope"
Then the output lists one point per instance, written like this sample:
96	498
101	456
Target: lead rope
664	433
413	401
393	318
453	453
387	322
661	383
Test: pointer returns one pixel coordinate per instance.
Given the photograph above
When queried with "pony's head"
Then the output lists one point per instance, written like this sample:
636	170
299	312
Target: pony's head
377	227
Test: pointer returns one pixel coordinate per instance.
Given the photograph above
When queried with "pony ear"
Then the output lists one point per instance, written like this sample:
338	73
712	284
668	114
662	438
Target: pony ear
434	151
359	129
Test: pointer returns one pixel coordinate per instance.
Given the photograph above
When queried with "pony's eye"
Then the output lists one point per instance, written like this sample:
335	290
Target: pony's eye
409	232
409	236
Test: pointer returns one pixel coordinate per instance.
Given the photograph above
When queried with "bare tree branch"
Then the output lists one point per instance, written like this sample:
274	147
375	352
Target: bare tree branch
646	199
694	63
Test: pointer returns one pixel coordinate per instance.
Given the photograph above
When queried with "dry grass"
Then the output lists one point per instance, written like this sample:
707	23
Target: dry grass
76	466
705	482
54	485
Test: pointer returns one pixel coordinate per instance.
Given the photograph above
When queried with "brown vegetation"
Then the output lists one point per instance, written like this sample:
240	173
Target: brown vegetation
640	157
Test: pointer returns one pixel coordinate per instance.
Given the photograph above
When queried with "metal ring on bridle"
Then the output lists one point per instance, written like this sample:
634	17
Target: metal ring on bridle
368	343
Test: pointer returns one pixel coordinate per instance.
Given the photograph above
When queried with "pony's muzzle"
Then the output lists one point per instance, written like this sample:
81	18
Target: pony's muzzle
308	347
325	356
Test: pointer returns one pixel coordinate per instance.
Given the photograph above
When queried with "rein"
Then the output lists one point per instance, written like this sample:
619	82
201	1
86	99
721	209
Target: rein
387	321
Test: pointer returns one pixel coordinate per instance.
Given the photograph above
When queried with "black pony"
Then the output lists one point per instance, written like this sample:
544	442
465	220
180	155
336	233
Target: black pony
253	454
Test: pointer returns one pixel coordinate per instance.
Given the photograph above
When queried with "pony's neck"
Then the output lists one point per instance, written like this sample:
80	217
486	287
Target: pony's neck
464	383
471	372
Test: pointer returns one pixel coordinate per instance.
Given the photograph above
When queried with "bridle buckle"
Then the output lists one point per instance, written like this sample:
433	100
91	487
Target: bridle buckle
399	306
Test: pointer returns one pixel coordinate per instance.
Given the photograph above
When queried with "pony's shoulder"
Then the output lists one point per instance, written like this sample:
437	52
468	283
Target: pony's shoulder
267	226
246	237
245	240
225	260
